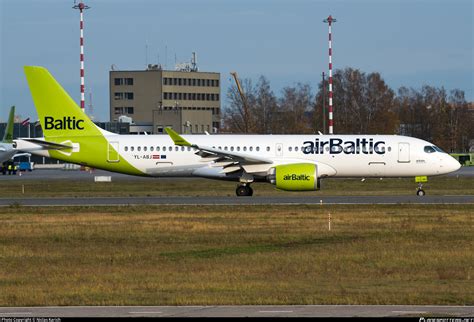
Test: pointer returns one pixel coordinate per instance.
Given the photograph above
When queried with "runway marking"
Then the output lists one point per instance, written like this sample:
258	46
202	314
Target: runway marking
275	311
410	312
157	312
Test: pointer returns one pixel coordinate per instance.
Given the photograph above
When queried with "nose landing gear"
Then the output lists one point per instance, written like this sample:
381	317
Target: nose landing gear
419	191
420	179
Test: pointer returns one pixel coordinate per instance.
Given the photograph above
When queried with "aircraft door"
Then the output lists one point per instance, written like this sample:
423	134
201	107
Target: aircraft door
403	152
279	149
112	152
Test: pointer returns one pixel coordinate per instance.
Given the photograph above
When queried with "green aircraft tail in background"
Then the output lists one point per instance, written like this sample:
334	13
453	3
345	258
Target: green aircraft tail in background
8	136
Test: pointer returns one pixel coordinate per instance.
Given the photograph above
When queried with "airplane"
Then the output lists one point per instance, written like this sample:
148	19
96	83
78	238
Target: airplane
7	149
290	162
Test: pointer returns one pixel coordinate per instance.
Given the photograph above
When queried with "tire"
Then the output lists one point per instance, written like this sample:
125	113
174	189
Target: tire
420	192
243	191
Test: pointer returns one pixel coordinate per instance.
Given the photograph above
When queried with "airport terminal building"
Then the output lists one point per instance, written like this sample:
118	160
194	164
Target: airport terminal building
185	99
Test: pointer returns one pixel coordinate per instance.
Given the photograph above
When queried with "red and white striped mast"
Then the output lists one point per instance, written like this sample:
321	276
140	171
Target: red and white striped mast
81	6
329	20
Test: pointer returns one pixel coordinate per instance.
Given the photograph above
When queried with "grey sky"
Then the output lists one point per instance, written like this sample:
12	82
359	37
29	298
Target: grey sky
410	42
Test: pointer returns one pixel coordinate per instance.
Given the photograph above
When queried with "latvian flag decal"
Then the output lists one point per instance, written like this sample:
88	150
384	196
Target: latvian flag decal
157	156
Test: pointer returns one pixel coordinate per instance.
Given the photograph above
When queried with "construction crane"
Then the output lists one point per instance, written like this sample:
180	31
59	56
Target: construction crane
244	102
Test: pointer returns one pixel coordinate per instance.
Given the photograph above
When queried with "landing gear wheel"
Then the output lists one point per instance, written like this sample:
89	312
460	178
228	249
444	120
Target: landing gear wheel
244	190
419	191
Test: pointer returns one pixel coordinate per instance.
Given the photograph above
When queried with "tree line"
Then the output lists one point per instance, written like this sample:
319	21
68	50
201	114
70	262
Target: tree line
363	104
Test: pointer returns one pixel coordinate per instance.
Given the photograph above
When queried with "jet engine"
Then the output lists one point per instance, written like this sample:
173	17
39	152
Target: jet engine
294	177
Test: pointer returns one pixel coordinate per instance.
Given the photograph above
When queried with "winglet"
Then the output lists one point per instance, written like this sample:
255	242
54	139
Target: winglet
177	139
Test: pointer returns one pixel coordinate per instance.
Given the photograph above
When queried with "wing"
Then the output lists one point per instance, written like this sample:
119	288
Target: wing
230	161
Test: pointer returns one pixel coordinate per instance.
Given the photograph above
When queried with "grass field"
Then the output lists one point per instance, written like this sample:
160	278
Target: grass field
202	187
171	255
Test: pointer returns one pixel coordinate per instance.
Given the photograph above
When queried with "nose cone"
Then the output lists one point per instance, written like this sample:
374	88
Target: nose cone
452	164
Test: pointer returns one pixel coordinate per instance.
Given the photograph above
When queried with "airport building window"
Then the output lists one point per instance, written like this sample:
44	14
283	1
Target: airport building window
118	96
129	110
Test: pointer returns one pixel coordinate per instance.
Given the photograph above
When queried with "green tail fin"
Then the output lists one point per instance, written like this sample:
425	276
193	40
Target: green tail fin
59	115
8	136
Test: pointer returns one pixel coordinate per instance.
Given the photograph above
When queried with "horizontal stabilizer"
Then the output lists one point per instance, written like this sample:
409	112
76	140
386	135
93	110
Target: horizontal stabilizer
48	145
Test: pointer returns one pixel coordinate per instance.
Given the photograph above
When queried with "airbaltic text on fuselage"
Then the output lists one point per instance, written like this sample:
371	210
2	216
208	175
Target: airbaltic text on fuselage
336	146
66	123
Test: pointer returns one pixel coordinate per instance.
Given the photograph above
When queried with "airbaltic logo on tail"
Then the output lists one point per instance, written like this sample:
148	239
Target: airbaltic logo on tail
66	123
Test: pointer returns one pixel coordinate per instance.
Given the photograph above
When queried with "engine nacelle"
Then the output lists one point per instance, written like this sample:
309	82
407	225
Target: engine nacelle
294	177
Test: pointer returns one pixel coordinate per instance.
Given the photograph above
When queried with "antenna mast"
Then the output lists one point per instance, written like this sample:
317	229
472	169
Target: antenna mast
81	6
329	20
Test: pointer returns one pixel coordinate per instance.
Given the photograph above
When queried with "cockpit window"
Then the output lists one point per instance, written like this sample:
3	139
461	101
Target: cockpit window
429	149
438	149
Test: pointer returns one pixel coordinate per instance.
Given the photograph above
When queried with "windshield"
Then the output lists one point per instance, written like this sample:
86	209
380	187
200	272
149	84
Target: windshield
438	149
429	149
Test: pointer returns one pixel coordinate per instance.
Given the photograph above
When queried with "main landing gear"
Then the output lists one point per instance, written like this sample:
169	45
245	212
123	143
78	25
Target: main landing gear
244	190
419	191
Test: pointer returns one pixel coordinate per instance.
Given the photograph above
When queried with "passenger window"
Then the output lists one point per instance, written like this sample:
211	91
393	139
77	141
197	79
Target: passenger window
225	148
257	148
429	149
232	148
139	148
126	149
296	149
251	148
189	148
245	148
290	148
268	149
182	148
132	148
151	148
176	148
170	148
144	148
238	148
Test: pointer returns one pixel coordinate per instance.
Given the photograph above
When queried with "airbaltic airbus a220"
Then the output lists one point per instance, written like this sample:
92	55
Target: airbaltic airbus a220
290	162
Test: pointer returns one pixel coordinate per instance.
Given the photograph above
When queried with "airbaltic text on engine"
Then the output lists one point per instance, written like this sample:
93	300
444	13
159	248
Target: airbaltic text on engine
296	177
66	123
336	146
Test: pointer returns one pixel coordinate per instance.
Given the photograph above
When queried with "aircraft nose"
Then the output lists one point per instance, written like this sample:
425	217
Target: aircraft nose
453	164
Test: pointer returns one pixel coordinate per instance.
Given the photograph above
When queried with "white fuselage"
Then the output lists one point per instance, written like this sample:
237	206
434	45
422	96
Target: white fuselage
335	155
